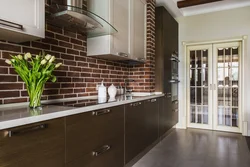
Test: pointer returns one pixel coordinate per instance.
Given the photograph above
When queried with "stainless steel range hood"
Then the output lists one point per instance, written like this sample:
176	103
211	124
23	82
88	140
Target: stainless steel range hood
73	15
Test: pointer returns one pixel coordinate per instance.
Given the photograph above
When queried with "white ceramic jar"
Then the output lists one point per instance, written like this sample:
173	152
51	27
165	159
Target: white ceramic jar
112	91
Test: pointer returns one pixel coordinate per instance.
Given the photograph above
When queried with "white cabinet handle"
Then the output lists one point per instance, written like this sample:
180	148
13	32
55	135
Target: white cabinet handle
11	24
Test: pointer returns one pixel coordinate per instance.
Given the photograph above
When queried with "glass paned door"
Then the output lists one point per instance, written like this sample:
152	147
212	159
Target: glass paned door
226	76
199	58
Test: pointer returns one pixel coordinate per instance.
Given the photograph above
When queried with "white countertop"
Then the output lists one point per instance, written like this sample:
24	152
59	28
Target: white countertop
18	115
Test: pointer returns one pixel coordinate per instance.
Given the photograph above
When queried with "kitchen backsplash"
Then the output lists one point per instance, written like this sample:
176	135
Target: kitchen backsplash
79	74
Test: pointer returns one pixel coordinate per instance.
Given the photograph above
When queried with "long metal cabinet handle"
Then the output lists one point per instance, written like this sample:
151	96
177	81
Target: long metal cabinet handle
12	133
101	150
135	104
97	113
174	81
11	24
122	54
153	100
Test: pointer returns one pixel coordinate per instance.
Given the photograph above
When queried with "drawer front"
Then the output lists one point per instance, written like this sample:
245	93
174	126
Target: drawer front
87	131
110	154
38	145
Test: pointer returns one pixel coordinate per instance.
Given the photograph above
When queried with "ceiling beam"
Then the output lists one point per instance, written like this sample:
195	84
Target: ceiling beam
188	3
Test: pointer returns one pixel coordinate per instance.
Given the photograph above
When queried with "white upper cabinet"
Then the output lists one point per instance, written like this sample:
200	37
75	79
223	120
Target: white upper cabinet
129	18
22	20
138	29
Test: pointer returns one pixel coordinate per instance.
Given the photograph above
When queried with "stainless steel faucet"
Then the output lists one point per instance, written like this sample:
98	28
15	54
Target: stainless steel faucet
126	81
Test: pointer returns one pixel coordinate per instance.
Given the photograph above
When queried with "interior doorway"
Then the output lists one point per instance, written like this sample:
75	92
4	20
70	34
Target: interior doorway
214	86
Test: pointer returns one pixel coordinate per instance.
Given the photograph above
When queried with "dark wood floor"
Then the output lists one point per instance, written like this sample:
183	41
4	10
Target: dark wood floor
198	148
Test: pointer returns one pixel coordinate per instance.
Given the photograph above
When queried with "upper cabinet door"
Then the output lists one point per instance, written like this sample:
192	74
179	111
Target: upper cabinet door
120	20
20	18
138	28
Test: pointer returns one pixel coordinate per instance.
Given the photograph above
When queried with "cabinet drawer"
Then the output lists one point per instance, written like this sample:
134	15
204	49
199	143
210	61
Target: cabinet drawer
108	154
88	131
35	145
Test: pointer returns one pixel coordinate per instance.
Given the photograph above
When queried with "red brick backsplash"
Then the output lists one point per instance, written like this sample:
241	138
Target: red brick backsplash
79	74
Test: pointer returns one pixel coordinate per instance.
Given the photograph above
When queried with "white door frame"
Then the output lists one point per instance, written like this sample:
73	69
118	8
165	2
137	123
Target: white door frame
183	118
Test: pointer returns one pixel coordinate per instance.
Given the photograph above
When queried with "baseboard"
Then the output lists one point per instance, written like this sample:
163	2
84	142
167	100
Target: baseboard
144	152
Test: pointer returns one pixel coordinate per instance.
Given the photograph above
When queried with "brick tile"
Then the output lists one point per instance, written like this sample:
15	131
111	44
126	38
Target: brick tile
6	94
10	47
72	51
54	29
40	45
65	44
50	41
11	86
58	49
67	57
8	78
76	41
17	100
3	70
61	37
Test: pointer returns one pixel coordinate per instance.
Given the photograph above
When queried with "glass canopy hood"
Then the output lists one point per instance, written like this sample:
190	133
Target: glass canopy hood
71	15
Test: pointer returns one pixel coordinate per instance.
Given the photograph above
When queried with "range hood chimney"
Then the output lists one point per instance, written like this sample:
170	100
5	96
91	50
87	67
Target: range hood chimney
72	14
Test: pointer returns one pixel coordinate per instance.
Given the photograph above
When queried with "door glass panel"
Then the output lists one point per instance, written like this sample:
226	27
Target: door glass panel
204	77
205	115
227	116
198	57
205	59
228	96
192	77
235	117
199	114
192	95
220	116
235	97
192	59
198	96
192	112
220	96
205	96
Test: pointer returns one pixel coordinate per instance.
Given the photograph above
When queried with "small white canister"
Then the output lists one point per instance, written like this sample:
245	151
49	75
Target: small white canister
112	91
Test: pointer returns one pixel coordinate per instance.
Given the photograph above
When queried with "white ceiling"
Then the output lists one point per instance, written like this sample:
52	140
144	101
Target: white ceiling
171	6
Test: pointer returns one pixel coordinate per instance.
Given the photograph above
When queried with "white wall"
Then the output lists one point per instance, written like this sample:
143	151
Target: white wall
214	26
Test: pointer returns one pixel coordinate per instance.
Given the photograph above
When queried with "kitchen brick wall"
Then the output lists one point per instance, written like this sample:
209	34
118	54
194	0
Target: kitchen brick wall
79	74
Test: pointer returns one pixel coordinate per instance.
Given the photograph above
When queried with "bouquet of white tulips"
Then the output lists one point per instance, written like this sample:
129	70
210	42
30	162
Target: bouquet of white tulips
35	72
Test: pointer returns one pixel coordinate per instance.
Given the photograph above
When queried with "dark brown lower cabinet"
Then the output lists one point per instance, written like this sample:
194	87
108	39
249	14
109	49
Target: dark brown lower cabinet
151	111
95	139
135	130
35	145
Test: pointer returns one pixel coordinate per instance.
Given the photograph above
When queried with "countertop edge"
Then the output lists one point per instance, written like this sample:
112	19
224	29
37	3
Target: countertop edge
60	114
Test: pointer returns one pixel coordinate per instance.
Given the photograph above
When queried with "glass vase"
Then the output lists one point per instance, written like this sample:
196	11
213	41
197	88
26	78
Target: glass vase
35	92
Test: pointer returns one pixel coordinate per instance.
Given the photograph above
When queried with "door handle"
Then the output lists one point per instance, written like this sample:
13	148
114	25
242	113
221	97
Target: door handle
11	24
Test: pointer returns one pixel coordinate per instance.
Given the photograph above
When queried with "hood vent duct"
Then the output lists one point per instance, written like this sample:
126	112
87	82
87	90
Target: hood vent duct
72	15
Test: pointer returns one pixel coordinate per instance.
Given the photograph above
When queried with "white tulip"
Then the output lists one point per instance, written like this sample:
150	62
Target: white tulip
58	65
44	61
52	59
27	56
8	61
47	57
37	56
20	57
